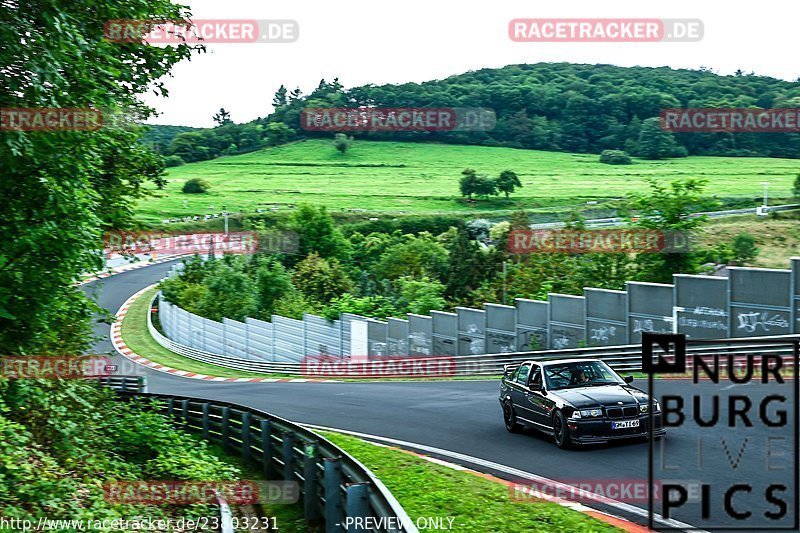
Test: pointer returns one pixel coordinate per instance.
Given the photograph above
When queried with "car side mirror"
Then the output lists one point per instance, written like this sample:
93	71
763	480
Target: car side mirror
628	379
535	387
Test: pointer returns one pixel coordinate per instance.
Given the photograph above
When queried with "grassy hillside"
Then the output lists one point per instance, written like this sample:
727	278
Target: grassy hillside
778	239
395	177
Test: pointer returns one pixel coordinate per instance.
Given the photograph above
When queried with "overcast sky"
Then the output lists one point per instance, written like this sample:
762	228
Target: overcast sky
368	41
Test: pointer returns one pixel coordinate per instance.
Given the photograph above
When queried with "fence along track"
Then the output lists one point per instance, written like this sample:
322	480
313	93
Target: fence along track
621	358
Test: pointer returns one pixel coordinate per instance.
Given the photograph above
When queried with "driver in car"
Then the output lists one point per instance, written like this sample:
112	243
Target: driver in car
580	377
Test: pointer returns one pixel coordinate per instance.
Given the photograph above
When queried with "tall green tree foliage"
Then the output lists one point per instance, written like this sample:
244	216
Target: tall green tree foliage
669	207
508	182
317	233
61	189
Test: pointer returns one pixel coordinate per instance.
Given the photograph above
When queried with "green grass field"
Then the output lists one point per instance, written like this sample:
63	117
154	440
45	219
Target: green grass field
416	178
473	503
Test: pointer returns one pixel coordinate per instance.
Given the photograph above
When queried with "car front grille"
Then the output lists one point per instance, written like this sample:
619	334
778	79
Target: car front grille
622	412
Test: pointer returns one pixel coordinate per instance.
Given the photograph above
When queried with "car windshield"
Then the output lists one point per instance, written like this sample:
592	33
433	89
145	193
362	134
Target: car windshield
580	374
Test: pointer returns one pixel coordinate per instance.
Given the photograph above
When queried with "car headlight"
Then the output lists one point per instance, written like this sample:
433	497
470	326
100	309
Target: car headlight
656	407
590	413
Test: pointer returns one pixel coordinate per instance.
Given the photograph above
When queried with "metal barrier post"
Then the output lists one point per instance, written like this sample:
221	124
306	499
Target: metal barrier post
206	408
246	436
226	427
185	411
170	408
333	494
288	456
357	504
310	502
266	447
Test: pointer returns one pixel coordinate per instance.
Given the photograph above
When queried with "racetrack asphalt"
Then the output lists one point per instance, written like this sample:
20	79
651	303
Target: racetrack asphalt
465	417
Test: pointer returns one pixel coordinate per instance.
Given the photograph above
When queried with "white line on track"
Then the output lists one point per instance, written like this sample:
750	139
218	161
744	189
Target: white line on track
520	474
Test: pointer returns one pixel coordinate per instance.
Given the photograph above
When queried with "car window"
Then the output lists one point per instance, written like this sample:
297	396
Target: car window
522	374
576	374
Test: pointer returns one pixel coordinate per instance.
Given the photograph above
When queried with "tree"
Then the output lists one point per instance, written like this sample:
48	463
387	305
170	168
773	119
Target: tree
189	146
669	208
656	143
744	248
467	266
416	256
615	157
278	133
222	117
279	100
467	182
508	182
273	281
195	186
173	161
378	307
230	294
342	142
419	296
320	279
317	234
485	186
57	187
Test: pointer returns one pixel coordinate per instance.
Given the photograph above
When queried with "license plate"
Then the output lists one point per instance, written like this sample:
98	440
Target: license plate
625	424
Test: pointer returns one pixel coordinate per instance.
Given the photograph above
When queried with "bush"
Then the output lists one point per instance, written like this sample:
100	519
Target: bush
196	186
174	161
615	157
744	248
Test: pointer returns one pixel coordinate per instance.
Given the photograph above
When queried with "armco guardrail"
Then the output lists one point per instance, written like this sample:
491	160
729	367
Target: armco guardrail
125	383
333	485
619	221
626	358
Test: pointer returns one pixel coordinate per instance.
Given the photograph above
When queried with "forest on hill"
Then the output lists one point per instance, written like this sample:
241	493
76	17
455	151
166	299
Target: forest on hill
547	106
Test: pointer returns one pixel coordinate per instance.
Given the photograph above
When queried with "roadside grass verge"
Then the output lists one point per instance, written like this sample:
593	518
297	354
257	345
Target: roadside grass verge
430	490
138	339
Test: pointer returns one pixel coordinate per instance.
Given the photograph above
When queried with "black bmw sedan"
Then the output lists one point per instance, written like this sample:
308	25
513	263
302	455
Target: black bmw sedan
577	401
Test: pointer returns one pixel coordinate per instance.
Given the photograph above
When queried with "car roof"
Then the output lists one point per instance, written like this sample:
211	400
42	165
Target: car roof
563	361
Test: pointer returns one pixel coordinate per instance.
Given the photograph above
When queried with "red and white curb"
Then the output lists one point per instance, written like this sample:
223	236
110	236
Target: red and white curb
125	351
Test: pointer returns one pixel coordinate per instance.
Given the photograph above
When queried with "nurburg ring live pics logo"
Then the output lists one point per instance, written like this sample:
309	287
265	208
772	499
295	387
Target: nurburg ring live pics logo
729	460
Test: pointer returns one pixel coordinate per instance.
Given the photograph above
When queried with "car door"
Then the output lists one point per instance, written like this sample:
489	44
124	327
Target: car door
518	387
521	392
536	403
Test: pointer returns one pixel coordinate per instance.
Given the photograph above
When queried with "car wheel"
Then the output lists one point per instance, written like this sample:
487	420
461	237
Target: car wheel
510	418
561	431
